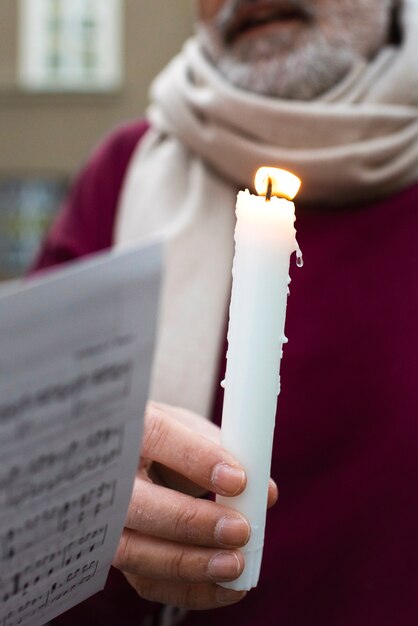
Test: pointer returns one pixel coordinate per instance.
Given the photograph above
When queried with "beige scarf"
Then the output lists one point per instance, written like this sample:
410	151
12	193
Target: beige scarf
359	141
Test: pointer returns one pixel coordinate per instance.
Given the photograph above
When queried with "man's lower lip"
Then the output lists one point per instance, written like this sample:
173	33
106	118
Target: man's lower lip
258	29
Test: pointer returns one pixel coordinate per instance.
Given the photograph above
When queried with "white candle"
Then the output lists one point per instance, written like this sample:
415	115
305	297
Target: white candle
265	238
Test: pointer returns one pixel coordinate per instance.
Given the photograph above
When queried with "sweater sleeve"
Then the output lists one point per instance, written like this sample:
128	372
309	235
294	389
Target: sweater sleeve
84	224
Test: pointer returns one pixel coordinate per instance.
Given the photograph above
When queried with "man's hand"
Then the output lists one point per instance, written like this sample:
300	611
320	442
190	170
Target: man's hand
175	547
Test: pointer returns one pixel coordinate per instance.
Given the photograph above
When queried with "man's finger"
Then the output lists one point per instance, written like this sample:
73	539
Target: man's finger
185	595
197	423
164	513
159	559
273	494
192	455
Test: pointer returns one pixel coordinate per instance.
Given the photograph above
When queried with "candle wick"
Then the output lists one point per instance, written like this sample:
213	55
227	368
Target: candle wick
269	189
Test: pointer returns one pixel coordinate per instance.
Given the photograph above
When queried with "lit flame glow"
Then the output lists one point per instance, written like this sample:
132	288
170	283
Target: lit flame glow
283	184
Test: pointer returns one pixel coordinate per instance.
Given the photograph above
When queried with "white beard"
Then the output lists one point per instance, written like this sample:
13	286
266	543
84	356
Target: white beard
303	64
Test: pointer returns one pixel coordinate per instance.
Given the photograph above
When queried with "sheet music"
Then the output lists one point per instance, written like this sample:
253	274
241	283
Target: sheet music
75	358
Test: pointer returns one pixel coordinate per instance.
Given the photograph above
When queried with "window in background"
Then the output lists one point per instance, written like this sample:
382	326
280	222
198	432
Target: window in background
27	208
70	45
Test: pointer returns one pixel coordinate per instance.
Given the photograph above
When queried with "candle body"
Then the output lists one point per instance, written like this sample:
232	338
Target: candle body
265	238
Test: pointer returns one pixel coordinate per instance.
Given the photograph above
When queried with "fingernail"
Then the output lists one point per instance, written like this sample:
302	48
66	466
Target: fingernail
232	531
228	596
273	494
224	566
228	480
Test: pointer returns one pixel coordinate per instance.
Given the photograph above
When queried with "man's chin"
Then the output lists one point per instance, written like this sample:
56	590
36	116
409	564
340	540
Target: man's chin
287	63
256	78
286	77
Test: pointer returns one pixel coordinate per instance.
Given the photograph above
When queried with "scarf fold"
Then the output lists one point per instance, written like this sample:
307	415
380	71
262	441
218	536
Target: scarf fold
357	142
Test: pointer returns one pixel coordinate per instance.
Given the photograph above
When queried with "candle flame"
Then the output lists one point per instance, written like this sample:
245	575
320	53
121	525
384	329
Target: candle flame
272	181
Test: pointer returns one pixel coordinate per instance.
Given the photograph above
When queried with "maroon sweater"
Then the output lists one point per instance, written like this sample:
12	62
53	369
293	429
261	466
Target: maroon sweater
341	545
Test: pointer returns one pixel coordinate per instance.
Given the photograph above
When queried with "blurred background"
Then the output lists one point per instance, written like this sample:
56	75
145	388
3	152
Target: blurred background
70	70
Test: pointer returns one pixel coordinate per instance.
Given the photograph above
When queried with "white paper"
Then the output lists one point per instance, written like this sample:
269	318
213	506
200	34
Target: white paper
75	359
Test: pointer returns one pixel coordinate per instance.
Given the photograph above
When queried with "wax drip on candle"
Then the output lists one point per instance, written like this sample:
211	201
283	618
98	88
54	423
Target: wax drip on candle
299	257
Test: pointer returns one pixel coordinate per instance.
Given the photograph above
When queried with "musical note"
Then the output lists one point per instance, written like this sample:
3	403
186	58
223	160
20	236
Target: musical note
50	562
46	473
55	520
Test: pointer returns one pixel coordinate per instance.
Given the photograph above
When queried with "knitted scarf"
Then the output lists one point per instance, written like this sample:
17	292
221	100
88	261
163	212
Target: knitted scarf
358	141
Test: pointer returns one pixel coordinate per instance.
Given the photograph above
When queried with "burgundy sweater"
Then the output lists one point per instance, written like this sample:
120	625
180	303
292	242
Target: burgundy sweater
341	545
